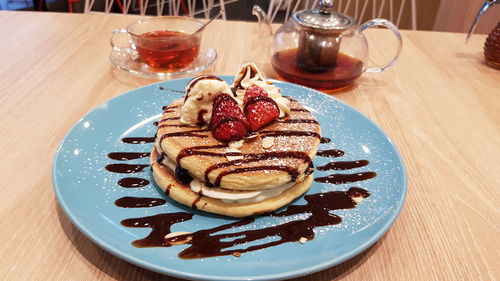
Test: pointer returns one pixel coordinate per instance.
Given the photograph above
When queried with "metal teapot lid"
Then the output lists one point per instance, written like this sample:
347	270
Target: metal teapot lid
324	18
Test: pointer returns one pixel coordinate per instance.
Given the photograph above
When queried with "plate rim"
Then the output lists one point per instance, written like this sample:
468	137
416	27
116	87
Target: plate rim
193	276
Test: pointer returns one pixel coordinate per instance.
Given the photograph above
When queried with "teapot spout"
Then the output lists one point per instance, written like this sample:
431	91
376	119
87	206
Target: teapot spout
262	18
486	5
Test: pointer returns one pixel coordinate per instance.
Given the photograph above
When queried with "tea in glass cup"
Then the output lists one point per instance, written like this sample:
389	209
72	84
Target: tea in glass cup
164	43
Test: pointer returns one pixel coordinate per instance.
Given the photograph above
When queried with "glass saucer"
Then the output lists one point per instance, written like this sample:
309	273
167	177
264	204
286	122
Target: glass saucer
126	61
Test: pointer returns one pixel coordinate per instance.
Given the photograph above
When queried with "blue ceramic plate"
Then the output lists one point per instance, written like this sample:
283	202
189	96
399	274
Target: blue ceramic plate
87	191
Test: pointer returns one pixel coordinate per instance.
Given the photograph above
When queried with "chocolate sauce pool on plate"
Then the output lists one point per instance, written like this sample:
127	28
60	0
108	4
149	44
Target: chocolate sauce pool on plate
330	153
139	202
210	243
128	155
325	140
343	165
139	140
160	225
132	182
346	178
126	168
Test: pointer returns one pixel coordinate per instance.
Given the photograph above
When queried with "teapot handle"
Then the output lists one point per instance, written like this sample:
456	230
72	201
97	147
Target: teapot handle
394	29
262	18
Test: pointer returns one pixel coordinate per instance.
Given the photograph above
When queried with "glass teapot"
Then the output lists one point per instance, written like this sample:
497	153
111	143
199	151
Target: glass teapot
323	49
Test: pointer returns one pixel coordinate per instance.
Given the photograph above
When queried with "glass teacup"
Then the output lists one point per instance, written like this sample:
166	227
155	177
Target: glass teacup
166	43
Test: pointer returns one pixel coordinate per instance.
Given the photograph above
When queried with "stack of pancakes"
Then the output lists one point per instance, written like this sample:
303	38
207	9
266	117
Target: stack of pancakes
259	174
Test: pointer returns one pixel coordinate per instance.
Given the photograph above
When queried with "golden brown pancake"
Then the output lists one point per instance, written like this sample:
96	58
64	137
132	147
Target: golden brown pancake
184	195
294	140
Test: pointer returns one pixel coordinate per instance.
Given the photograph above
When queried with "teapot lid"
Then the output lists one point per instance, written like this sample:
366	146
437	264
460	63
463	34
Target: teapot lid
324	18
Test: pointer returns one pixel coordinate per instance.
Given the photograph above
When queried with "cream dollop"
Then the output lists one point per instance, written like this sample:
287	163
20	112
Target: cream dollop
202	90
200	95
230	196
249	75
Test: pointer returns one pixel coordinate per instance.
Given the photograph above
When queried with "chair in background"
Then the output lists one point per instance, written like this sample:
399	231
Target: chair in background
15	4
393	10
163	7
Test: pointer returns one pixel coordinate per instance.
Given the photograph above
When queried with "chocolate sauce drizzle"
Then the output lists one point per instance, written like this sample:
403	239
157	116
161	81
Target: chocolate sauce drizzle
160	225
207	243
126	168
343	165
178	126
299	109
256	99
132	182
325	140
170	109
172	90
204	151
129	182
290	133
346	178
330	153
199	150
192	133
254	157
237	83
169	118
138	140
123	156
198	79
311	121
250	157
139	202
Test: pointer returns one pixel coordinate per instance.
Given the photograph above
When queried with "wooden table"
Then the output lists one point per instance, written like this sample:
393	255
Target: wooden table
439	104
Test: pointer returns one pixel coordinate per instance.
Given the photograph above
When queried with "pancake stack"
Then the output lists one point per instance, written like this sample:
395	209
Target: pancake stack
265	170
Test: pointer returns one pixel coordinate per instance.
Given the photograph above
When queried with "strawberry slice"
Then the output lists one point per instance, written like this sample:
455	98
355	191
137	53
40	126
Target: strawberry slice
228	121
230	131
254	91
259	108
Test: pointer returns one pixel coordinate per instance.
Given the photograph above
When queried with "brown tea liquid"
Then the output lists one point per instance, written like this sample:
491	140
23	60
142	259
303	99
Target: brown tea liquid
339	77
176	51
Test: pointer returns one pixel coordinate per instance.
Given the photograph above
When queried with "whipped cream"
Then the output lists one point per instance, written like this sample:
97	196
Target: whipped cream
201	92
200	95
231	196
250	75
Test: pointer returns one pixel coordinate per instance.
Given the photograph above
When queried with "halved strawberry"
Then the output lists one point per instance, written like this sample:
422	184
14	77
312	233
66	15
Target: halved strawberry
230	131
254	91
259	108
228	121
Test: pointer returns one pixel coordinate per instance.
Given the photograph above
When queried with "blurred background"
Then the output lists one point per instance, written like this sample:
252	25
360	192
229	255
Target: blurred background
437	15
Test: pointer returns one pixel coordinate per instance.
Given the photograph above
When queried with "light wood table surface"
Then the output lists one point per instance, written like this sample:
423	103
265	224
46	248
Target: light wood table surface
440	104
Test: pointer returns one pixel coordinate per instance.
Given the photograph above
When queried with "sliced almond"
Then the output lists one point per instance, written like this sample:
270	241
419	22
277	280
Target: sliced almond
237	254
358	199
267	142
251	136
302	240
173	238
234	145
234	157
